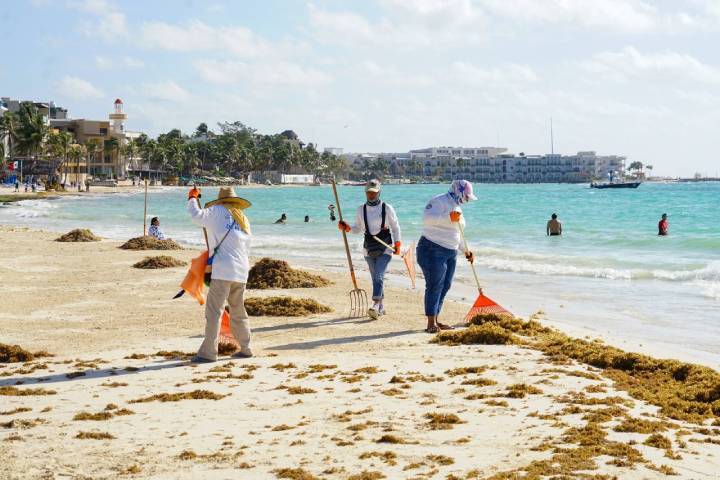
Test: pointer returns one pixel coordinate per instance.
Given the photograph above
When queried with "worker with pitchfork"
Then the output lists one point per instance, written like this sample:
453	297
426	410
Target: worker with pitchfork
378	221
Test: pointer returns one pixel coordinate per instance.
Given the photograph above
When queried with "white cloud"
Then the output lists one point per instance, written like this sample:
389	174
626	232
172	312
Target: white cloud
109	22
419	30
108	63
628	63
616	15
168	91
389	75
197	36
272	73
78	89
508	74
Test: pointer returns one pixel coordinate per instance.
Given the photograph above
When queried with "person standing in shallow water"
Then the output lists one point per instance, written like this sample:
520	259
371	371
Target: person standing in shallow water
553	227
438	247
663	225
376	218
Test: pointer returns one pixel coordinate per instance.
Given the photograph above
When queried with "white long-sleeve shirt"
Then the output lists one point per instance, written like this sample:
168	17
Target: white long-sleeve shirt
374	216
437	226
231	260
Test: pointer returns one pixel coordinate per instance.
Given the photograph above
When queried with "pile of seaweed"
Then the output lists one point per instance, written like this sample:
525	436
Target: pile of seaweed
79	235
268	273
283	307
161	261
683	391
15	353
148	242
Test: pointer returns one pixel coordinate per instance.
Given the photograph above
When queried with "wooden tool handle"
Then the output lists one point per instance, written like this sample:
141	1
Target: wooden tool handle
467	249
344	235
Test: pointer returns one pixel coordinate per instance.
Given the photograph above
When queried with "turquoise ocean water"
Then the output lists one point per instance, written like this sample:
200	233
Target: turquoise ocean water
609	273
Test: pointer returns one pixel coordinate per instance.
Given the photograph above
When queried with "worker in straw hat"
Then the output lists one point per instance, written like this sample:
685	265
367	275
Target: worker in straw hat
438	247
228	235
378	222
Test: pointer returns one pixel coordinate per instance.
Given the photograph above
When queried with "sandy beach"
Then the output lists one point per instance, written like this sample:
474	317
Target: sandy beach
325	396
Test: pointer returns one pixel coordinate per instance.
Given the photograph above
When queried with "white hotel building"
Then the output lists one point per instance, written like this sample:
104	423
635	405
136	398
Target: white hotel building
494	165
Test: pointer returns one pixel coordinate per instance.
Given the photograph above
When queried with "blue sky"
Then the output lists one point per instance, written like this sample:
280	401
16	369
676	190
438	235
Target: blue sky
633	77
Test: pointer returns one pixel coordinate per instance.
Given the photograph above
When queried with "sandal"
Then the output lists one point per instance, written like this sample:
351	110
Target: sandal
442	326
431	330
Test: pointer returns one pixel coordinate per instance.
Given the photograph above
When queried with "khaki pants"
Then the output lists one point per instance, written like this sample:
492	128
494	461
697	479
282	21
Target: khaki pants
221	290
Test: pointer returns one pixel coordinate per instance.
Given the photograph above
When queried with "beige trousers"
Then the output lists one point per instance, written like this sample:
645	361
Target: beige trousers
221	290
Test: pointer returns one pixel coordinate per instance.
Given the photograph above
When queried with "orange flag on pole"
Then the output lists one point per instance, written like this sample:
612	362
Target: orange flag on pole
194	281
409	259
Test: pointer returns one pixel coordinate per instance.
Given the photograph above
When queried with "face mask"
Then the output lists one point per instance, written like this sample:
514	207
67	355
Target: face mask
374	203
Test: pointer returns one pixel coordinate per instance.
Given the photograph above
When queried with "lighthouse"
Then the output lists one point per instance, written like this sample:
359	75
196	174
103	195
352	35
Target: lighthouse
118	118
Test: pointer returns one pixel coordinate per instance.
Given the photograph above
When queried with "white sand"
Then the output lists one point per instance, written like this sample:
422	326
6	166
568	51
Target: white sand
85	302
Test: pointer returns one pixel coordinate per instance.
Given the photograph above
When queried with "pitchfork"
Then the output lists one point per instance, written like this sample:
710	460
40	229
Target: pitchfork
358	296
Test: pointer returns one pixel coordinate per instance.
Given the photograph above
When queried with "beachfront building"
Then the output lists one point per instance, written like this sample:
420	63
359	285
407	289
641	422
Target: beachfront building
105	139
489	165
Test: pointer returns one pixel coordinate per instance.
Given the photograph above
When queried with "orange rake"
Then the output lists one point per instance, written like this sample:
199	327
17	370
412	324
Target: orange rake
483	304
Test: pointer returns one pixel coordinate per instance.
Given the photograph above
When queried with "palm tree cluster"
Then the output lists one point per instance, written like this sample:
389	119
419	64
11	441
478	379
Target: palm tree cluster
233	151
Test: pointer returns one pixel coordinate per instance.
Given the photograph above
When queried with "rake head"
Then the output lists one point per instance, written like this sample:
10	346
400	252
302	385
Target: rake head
484	305
358	303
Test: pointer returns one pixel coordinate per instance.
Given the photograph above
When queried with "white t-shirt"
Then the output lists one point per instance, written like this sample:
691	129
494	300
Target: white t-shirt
437	226
231	260
374	216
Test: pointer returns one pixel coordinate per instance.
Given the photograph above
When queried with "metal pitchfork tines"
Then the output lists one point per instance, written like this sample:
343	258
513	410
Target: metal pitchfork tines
358	296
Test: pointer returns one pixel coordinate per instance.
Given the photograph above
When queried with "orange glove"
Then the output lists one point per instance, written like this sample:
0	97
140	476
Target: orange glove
194	193
343	226
397	248
455	216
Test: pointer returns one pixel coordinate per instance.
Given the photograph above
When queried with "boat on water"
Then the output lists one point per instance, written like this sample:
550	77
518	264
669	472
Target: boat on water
615	185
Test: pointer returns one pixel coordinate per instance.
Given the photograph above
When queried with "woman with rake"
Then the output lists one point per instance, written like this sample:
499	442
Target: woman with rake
439	244
379	223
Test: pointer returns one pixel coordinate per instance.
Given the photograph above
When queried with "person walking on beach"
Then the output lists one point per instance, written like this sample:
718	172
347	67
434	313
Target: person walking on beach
376	220
229	236
154	230
663	225
554	227
282	220
438	246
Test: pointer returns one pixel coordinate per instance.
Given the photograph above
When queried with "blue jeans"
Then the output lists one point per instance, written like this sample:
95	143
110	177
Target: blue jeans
438	266
377	266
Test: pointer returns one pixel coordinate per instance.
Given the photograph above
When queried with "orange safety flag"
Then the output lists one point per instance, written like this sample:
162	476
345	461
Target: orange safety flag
194	281
226	335
409	259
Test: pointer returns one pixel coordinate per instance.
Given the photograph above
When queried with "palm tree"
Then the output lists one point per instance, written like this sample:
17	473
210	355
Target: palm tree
60	146
112	146
8	130
32	131
636	167
130	151
92	146
649	167
76	153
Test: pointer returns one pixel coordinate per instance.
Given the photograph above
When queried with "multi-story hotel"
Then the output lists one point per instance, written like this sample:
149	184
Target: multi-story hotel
494	165
107	161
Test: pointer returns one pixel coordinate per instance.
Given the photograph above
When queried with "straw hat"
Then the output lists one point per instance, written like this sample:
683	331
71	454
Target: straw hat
227	196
